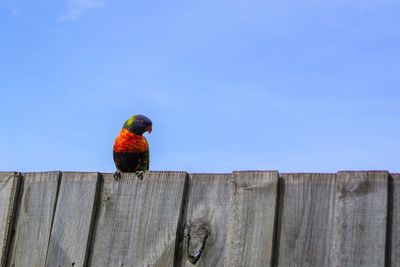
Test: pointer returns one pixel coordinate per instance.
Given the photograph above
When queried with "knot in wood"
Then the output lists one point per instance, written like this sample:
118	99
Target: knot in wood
354	187
106	197
198	233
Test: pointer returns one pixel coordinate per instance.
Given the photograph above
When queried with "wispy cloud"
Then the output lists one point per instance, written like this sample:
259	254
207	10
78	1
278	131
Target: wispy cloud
77	7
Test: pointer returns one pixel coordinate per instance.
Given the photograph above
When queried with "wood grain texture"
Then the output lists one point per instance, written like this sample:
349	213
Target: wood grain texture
394	245
208	199
73	219
251	218
9	182
34	218
87	219
305	225
138	220
360	219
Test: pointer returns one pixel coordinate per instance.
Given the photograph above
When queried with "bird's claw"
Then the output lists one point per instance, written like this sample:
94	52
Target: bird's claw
117	175
139	174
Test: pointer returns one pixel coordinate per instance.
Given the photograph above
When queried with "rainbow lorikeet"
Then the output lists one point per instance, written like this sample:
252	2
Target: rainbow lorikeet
131	150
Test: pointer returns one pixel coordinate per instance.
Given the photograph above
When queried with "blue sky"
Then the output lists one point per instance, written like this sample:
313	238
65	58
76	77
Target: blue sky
294	86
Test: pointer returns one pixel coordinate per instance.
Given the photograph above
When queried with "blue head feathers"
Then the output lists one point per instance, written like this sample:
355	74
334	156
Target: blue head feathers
138	124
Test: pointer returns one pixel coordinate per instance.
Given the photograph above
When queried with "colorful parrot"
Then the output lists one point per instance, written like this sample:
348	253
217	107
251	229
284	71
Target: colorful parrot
131	150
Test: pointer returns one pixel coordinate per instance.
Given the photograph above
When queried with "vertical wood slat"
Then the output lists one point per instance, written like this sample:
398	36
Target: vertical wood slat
360	219
304	229
138	220
394	245
73	220
251	218
9	182
208	200
34	218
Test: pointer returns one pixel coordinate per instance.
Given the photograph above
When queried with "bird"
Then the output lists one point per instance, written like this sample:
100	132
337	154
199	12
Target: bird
131	150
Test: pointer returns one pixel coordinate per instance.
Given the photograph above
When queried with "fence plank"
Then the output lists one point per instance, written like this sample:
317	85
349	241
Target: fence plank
304	229
138	220
208	199
394	247
34	218
250	225
360	219
9	182
73	219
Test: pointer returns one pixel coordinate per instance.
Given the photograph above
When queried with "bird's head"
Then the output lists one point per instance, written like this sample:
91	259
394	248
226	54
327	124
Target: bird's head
138	124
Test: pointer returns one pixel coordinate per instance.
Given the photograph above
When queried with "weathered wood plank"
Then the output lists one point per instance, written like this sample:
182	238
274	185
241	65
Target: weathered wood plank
34	219
305	224
9	182
138	220
73	219
360	219
251	218
208	199
394	245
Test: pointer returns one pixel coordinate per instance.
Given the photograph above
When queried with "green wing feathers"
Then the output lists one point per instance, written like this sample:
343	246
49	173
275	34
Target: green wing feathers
146	163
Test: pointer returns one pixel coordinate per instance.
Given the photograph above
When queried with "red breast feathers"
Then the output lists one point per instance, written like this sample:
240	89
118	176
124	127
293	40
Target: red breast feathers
127	142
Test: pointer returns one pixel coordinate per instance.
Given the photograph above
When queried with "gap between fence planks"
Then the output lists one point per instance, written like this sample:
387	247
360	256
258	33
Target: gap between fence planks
256	218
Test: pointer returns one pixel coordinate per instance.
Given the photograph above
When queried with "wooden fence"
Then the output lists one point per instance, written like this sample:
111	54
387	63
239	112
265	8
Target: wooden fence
252	218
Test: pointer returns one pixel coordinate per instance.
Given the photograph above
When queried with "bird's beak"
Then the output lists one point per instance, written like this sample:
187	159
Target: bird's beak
149	129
